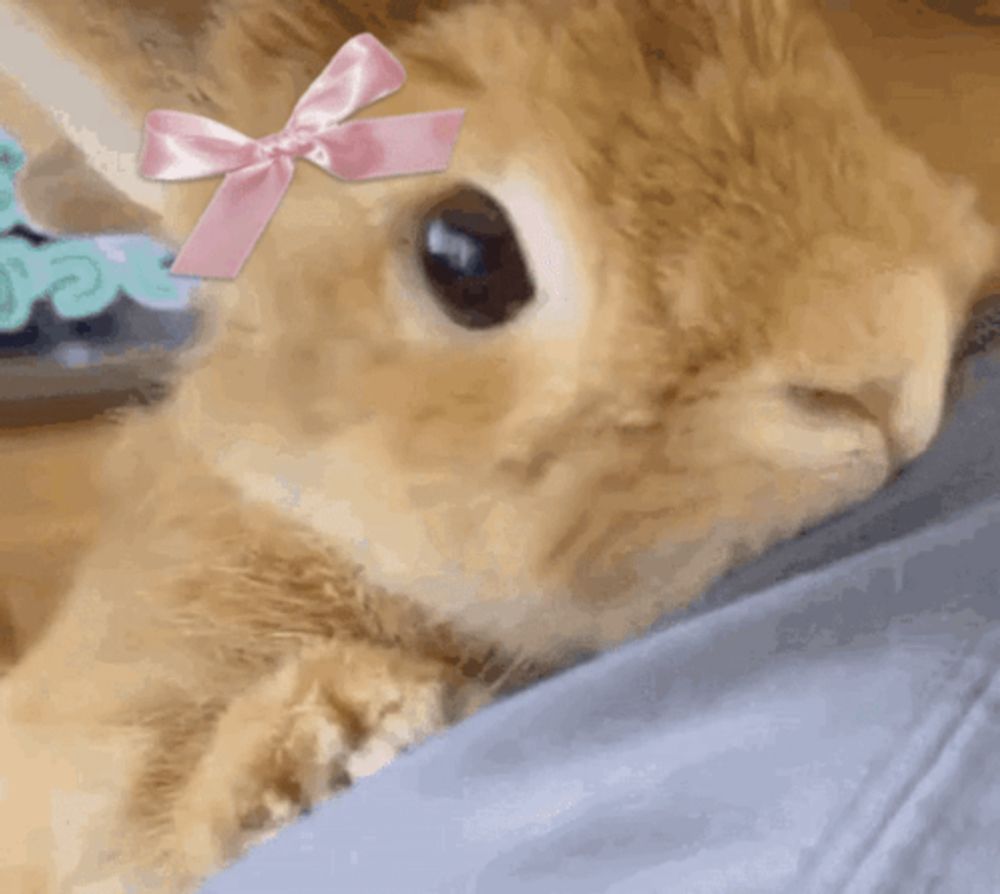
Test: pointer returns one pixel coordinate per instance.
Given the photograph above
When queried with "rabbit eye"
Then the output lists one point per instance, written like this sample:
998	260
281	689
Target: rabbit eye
472	261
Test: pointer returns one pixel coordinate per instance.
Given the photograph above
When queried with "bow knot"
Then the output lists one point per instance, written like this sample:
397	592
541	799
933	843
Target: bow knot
290	144
180	146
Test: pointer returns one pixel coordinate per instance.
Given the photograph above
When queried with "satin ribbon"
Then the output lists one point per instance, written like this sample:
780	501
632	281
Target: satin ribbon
181	146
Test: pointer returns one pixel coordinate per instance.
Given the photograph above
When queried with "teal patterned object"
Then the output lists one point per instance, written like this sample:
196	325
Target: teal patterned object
79	276
11	161
21	282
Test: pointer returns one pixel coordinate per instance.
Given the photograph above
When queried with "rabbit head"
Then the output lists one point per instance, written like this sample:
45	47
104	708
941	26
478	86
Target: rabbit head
680	293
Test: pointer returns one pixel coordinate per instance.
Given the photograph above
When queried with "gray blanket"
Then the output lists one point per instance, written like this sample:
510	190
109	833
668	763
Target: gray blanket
827	719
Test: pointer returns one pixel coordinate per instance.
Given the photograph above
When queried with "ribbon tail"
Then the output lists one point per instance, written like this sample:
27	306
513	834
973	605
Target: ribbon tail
234	220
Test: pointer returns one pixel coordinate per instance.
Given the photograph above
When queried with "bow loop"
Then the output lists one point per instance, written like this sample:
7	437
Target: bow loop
361	74
181	146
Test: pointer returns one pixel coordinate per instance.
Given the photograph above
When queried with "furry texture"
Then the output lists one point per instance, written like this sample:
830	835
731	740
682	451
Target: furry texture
353	523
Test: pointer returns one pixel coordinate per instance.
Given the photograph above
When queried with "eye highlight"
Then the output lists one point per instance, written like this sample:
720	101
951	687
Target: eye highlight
472	261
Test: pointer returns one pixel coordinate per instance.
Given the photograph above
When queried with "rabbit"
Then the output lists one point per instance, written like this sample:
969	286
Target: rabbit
718	304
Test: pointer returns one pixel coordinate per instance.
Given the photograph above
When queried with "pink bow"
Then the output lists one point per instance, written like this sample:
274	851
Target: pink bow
180	146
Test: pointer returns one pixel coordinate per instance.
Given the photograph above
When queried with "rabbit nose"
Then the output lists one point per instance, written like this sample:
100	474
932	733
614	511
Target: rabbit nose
904	411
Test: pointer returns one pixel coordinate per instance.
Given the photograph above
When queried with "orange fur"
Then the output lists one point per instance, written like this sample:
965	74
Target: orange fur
353	522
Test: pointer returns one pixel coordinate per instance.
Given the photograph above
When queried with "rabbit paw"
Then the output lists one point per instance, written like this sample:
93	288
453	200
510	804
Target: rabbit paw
336	716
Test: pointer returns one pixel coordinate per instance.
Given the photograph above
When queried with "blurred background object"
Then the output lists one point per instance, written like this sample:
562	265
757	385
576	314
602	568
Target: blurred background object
53	369
85	323
63	380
